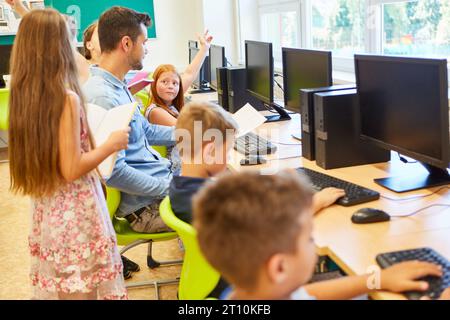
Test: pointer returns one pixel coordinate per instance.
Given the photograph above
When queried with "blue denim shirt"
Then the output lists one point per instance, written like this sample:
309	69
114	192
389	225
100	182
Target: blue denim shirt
140	173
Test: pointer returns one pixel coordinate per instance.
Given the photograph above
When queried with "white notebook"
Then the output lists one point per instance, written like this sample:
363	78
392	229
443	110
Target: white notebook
102	123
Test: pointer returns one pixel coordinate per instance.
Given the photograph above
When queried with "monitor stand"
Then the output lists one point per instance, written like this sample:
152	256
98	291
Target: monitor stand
282	114
434	178
201	90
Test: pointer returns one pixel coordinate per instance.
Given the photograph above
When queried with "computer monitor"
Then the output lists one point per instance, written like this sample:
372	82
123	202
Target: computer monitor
404	107
216	60
259	66
304	69
192	53
5	55
192	44
201	82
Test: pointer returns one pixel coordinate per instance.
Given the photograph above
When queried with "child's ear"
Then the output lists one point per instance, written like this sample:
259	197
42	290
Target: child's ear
276	269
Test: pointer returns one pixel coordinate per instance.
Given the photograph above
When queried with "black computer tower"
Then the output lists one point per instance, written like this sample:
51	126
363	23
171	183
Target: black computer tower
338	143
222	87
307	117
237	93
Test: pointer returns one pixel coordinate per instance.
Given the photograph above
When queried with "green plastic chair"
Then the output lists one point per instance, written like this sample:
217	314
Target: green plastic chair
4	101
4	112
198	278
162	150
129	238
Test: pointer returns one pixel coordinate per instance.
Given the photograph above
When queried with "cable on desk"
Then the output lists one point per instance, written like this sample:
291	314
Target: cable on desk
415	197
404	160
285	143
270	109
420	210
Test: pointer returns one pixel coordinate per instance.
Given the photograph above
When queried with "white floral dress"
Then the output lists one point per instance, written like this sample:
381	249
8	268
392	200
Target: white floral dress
73	244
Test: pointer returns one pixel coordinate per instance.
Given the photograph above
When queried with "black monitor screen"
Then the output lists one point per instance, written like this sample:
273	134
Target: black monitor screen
304	69
259	65
192	44
217	60
192	53
404	106
5	54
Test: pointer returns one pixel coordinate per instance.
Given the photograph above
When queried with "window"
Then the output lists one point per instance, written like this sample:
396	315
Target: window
419	28
338	25
399	27
280	25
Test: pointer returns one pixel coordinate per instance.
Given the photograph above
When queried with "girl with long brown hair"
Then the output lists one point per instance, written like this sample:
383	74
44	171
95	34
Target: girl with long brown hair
72	242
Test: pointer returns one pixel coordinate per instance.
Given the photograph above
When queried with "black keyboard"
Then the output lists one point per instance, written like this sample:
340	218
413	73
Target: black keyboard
354	194
437	285
251	143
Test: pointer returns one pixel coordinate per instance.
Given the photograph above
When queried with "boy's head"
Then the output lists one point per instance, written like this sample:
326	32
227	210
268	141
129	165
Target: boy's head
124	30
167	88
205	134
256	230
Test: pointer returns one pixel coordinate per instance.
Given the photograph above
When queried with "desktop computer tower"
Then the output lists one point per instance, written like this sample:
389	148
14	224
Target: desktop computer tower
222	87
307	118
237	93
338	143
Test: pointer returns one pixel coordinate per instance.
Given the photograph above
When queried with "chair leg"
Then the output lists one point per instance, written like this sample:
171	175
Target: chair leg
152	263
156	284
134	244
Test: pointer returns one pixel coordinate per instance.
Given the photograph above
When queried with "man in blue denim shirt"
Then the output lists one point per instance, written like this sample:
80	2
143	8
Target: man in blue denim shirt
140	173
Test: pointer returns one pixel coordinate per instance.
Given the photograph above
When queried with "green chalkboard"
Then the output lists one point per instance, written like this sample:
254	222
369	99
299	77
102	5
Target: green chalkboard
87	11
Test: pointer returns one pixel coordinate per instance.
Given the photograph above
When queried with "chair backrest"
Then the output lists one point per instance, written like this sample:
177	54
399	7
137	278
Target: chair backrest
4	101
198	277
112	200
162	150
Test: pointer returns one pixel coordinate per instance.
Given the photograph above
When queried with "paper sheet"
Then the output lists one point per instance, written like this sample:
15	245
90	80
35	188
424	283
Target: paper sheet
248	119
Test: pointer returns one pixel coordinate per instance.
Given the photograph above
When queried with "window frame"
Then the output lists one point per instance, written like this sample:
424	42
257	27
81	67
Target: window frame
343	66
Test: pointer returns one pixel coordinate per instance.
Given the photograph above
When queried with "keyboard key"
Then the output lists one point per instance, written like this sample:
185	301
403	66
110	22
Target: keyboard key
437	285
354	194
254	144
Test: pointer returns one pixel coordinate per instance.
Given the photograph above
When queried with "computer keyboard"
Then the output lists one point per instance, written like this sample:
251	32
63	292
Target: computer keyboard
354	194
251	143
437	285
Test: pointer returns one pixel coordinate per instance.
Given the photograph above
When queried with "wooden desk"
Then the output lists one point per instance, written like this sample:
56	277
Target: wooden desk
354	247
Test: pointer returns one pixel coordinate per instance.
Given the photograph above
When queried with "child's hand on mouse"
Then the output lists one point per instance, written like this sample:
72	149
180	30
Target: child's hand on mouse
118	140
403	276
444	296
326	198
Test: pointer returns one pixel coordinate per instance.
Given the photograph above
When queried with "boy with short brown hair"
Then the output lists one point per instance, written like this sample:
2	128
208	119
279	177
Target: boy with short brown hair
257	232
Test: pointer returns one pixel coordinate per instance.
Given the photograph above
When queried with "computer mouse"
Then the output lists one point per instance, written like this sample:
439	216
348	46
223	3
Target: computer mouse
370	215
251	160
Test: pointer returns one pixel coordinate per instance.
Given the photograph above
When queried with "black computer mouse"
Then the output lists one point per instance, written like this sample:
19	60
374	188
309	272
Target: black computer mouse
251	160
370	215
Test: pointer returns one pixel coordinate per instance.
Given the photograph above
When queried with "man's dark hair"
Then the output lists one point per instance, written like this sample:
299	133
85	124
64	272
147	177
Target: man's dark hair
118	22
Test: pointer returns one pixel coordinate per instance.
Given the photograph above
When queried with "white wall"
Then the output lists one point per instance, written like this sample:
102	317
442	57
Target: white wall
249	19
177	21
221	21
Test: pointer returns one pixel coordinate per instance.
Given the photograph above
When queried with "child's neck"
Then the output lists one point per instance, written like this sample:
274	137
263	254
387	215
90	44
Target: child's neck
258	294
194	171
168	103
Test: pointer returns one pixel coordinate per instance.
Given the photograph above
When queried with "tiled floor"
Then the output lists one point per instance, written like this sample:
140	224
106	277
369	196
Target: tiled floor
14	257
